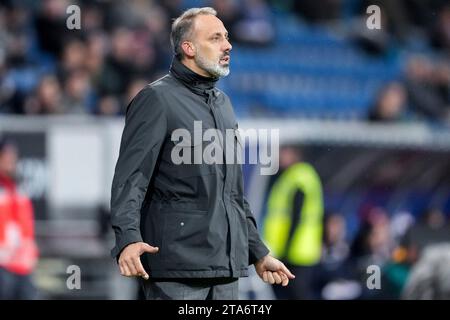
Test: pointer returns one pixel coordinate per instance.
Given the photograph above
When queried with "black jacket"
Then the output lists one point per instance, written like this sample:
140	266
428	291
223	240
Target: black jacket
195	213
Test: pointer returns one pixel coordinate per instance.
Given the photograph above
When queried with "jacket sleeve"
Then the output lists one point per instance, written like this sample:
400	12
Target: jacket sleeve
142	138
257	249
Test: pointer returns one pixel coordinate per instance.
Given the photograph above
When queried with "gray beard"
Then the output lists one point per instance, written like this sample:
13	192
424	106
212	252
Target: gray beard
214	69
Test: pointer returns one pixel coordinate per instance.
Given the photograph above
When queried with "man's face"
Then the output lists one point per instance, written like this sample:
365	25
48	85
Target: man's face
212	48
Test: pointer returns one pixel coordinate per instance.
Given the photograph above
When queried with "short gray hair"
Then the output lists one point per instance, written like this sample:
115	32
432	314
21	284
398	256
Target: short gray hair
182	27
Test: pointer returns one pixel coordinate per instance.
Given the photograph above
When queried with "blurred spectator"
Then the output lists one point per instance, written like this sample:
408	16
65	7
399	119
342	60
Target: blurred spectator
7	88
254	27
144	53
108	105
50	24
77	93
118	63
293	225
335	247
373	242
156	21
92	16
428	88
332	278
400	274
18	251
390	104
17	41
18	68
430	277
47	98
401	222
396	270
112	105
441	30
372	245
430	229
172	7
74	56
135	86
96	48
230	13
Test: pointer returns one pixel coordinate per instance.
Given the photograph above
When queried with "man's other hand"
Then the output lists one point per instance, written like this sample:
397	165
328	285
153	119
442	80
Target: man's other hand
273	271
129	261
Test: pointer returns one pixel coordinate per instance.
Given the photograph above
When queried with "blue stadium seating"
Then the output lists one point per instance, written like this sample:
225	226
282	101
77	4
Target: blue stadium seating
309	71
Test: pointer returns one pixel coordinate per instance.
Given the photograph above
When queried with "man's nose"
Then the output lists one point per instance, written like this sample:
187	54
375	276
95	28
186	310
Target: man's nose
228	45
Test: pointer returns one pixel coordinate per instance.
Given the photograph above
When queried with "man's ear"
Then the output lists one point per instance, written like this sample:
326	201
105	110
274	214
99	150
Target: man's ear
188	49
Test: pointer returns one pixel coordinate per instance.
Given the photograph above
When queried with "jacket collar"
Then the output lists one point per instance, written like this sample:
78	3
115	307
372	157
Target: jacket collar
197	83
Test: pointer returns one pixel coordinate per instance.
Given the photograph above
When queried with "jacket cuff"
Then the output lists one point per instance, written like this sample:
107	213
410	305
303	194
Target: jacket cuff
257	253
126	239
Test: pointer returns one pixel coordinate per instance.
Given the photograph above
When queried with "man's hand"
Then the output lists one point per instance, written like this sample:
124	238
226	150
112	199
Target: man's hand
129	261
273	271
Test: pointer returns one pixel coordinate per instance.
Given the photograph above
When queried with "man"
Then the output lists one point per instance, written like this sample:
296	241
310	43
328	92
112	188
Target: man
188	223
18	250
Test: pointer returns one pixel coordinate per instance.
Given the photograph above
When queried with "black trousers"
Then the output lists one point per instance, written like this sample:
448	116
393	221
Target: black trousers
191	289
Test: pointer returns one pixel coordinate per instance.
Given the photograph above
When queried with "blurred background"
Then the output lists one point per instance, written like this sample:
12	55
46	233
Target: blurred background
364	120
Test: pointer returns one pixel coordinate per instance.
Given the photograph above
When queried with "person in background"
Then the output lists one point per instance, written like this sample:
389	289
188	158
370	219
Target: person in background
293	223
430	276
18	250
427	84
372	246
390	105
332	271
431	229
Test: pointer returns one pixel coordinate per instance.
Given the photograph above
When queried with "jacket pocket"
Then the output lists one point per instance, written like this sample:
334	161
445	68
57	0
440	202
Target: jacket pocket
186	235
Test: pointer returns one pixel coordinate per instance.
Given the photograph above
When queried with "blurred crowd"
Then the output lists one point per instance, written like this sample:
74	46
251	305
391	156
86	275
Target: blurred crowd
45	68
423	94
418	31
368	252
406	252
420	28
